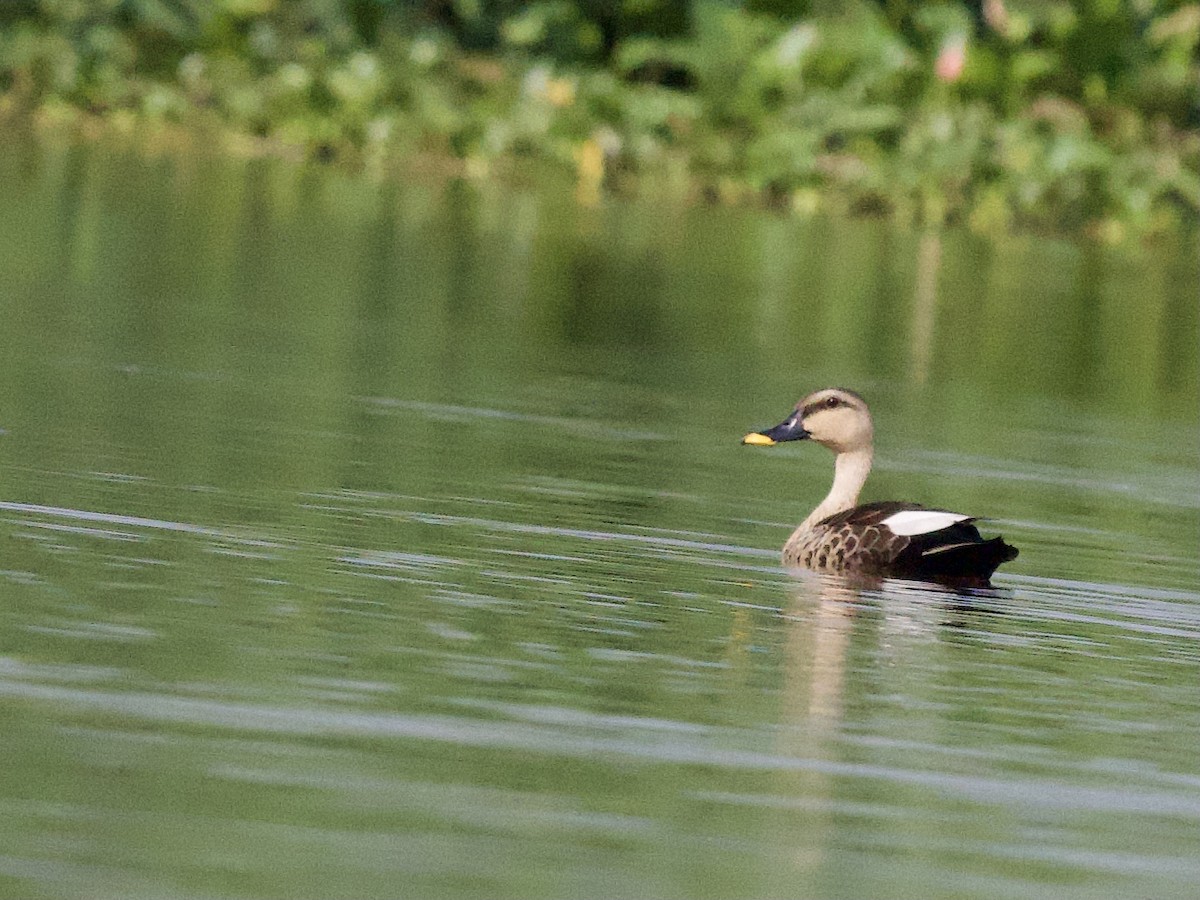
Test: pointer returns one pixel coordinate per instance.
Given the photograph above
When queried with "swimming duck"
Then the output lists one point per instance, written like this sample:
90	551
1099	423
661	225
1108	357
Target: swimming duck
902	540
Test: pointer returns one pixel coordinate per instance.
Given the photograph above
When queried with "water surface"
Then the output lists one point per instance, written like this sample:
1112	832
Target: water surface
395	541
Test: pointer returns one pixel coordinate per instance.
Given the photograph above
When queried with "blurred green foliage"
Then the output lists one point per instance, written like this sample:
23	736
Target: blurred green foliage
1004	114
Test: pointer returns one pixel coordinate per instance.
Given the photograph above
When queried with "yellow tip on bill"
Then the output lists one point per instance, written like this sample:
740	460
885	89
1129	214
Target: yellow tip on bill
757	440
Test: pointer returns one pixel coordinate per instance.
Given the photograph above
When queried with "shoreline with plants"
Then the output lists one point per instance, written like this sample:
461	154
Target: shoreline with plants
1064	119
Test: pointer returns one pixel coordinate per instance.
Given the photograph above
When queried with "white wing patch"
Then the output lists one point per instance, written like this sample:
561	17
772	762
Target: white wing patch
921	521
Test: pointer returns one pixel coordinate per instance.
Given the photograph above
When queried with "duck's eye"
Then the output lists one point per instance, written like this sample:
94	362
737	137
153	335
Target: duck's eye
831	402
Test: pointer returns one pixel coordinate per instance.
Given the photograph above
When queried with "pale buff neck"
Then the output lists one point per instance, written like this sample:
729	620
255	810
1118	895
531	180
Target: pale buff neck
850	471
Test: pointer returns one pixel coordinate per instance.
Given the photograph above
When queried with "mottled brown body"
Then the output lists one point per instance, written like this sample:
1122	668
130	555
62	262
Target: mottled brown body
846	548
855	540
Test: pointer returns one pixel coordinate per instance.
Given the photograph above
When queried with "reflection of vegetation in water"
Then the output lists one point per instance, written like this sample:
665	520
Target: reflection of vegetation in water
528	280
1001	115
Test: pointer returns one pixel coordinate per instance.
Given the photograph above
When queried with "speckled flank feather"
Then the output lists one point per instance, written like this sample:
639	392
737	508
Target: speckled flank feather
839	546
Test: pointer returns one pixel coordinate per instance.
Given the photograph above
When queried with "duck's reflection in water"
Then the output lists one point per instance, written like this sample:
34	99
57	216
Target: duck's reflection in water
823	612
834	624
821	618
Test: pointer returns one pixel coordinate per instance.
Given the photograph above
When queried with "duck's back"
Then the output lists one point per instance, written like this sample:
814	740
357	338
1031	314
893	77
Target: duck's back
902	540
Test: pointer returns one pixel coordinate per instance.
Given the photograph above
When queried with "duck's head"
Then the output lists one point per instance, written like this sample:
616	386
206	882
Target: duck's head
834	417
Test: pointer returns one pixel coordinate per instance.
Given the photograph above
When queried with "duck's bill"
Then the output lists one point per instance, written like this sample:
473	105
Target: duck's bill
758	439
789	430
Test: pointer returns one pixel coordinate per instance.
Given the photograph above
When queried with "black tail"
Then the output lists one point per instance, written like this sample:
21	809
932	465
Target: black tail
972	559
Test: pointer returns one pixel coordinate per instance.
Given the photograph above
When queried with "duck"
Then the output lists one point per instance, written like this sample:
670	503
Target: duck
886	539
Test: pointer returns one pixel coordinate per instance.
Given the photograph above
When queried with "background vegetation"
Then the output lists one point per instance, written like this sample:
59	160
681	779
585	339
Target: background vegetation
1002	115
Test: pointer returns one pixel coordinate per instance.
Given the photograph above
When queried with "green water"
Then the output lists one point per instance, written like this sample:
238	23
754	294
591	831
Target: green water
369	540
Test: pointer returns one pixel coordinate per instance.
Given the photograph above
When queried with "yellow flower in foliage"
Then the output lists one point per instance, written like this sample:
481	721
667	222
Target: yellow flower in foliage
589	170
559	92
540	85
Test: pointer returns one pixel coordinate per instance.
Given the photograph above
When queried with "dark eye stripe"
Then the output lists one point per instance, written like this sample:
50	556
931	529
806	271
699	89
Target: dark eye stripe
822	404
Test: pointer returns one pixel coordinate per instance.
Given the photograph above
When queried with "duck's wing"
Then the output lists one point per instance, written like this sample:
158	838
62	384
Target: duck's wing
869	514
